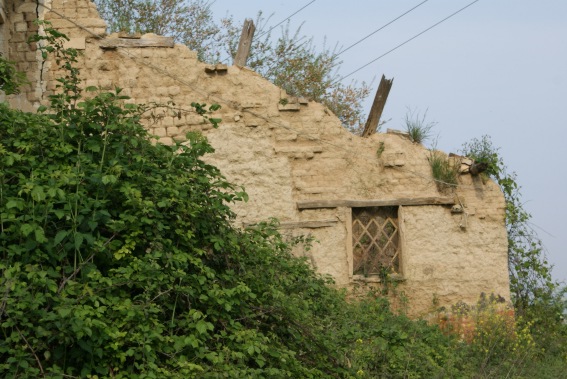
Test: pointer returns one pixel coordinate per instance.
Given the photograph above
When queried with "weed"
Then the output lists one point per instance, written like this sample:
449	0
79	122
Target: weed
417	127
445	172
380	149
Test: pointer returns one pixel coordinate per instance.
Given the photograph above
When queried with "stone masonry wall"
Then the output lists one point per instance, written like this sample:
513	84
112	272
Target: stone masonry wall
293	157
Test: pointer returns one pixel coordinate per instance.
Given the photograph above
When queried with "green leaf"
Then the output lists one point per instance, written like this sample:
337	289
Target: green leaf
64	312
37	193
78	240
109	179
26	229
15	204
40	235
201	326
60	236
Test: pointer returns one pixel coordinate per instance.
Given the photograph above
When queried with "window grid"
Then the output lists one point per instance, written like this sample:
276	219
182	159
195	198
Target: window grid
375	237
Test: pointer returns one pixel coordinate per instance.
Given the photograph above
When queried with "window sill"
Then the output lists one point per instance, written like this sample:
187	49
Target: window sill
376	278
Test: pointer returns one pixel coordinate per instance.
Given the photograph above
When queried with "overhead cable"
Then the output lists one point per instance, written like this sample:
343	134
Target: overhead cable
409	40
380	28
207	94
290	16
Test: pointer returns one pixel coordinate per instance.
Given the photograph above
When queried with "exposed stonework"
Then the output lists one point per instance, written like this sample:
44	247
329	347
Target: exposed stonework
289	154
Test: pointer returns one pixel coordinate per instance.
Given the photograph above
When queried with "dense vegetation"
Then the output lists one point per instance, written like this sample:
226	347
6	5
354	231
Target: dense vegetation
119	260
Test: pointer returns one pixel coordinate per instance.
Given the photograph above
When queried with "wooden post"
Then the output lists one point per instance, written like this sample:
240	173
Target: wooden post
245	42
377	106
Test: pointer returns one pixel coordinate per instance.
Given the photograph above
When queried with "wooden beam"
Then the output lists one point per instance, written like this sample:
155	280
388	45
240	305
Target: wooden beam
308	224
245	43
302	224
314	204
377	106
157	41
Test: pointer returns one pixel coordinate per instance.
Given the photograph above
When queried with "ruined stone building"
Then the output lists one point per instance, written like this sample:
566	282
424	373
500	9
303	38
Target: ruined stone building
369	202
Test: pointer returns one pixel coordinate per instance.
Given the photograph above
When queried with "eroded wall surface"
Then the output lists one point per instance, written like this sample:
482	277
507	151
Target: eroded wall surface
294	159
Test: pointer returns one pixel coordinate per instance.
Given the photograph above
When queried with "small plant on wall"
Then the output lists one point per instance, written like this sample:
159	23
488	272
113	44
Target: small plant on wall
444	170
418	129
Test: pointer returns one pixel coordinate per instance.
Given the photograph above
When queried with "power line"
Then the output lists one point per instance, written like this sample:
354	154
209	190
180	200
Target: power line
290	16
409	40
382	27
232	104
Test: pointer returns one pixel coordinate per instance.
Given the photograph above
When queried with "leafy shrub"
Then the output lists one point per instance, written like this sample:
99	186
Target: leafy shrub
119	258
393	346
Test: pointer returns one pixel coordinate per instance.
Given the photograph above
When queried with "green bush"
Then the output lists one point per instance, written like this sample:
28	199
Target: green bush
393	346
119	258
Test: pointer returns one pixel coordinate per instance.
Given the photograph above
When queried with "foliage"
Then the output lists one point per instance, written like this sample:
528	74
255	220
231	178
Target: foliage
392	346
290	61
537	298
417	127
498	344
10	78
119	259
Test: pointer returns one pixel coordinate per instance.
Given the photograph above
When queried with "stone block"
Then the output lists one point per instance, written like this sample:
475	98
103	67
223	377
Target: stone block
21	27
32	27
31	57
166	140
394	159
28	8
172	131
82	12
92	23
160	132
30	16
62	24
75	43
174	90
17	17
293	107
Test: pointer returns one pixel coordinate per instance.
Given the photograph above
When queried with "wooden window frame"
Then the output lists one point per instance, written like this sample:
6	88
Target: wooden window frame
401	247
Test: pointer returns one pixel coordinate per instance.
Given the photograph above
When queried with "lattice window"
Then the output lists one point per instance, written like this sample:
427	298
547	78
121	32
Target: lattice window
375	240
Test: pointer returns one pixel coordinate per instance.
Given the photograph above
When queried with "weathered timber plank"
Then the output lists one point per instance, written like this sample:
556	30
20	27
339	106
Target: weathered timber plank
377	106
308	224
157	41
312	204
245	43
304	224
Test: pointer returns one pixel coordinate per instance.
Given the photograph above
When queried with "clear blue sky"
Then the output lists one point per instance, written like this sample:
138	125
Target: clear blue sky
497	68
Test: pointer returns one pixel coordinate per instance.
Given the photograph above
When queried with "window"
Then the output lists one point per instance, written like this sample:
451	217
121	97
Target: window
375	240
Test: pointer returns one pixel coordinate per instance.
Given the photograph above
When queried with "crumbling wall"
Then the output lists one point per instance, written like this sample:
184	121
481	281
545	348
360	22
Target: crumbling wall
295	160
